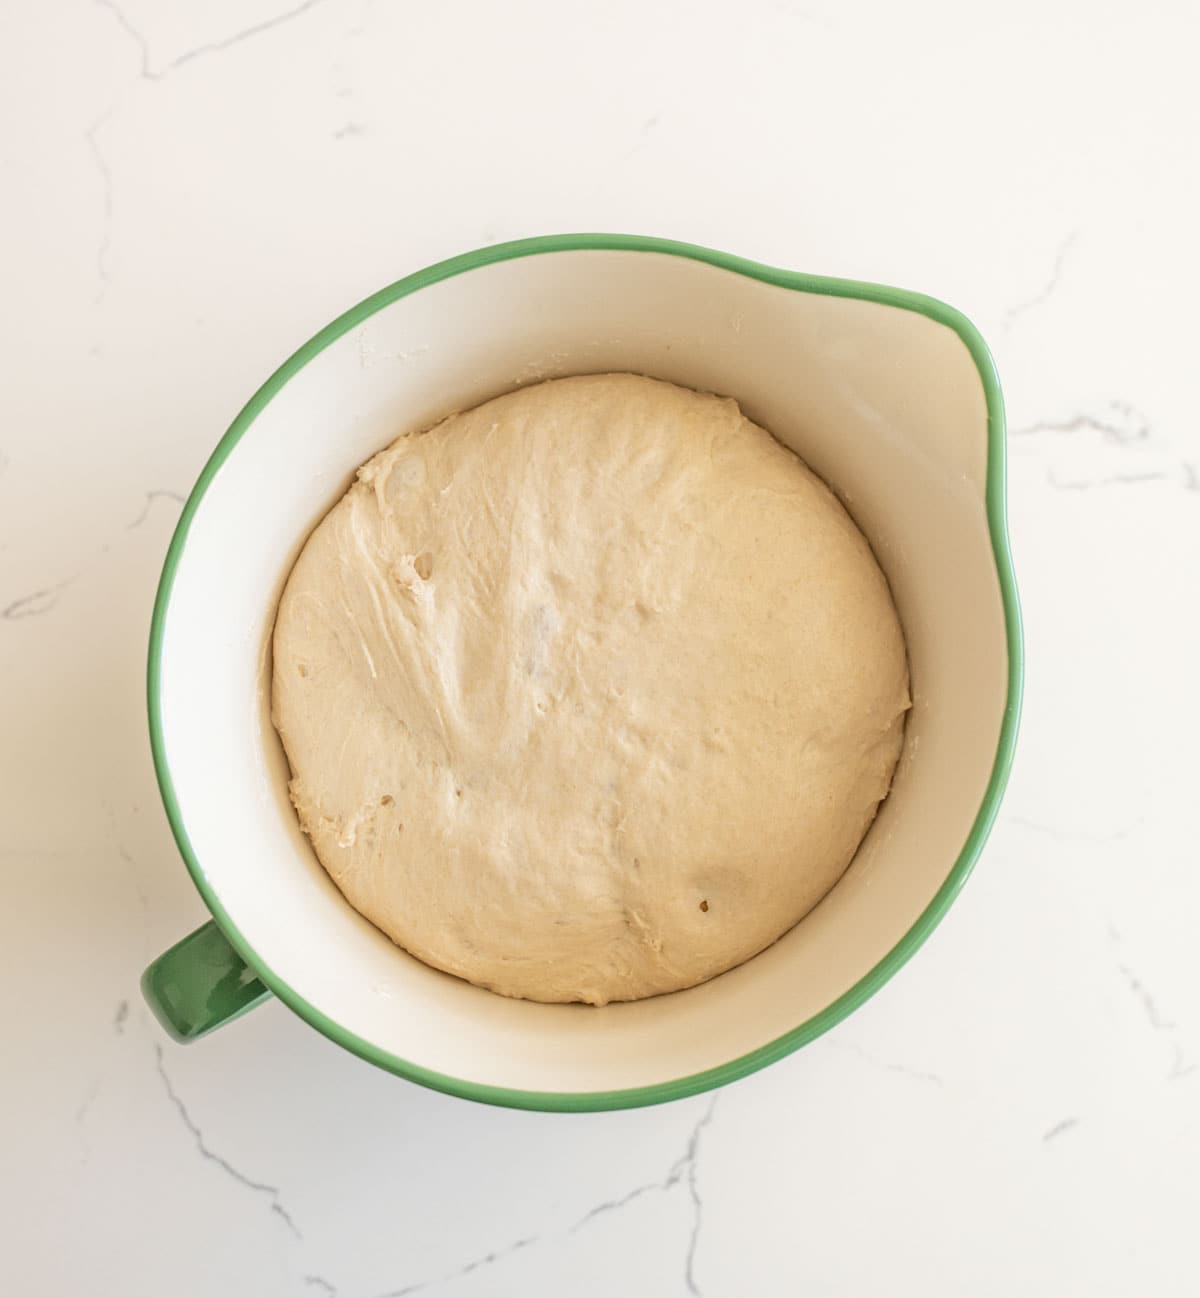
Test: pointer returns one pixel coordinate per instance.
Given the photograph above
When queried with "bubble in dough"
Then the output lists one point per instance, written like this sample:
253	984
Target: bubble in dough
589	693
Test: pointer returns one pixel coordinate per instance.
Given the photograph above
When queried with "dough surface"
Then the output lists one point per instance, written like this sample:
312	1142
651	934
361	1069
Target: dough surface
589	693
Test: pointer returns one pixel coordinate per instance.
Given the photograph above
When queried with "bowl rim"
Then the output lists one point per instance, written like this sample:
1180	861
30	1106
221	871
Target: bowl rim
930	917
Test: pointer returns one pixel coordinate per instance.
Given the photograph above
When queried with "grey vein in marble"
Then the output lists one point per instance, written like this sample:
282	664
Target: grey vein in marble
131	31
1181	1066
1046	292
259	1187
1135	428
127	857
684	1171
256	29
915	1073
1113	480
147	73
1139	989
34	604
41	601
162	493
689	1164
81	1114
644	131
613	1205
475	1265
1125	427
1082	835
88	1100
105	245
120	1017
319	1282
1059	1129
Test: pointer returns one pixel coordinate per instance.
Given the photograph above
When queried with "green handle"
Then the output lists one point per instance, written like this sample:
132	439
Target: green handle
200	984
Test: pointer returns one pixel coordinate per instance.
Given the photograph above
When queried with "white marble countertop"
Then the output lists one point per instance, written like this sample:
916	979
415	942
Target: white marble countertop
190	191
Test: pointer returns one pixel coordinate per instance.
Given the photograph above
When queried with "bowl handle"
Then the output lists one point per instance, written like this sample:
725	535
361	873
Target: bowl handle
200	984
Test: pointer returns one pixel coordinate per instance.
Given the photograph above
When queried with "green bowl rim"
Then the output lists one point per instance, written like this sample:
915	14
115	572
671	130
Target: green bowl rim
865	987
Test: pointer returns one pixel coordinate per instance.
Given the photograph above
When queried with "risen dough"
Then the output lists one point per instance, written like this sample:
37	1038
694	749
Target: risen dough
589	693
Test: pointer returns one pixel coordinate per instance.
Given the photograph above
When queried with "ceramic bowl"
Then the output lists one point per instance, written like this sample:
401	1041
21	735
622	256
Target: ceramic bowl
890	396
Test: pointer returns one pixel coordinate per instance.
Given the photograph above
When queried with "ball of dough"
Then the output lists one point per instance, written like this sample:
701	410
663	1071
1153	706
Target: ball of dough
589	693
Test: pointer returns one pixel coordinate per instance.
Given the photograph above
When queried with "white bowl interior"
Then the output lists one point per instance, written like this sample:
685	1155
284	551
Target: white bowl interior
886	404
